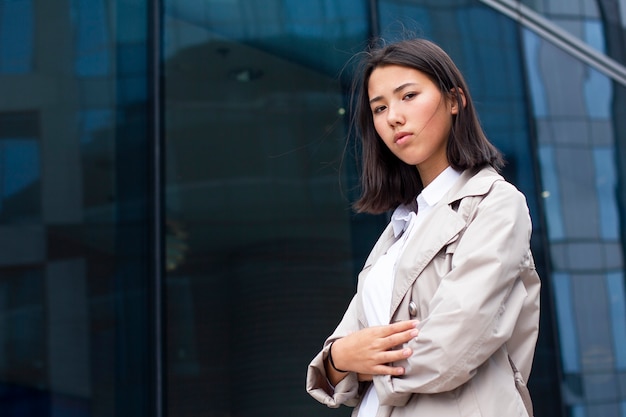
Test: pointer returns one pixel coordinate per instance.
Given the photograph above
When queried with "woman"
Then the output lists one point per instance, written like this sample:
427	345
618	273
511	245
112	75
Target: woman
445	318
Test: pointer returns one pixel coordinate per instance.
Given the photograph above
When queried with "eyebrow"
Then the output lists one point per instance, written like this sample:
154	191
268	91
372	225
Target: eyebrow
395	90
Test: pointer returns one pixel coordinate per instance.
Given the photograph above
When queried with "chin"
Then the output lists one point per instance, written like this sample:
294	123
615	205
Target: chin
411	162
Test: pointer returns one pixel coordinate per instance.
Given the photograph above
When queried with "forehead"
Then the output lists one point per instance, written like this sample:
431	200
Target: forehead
386	79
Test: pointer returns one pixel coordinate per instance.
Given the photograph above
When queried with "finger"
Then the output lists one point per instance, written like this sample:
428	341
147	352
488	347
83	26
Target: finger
407	335
397	327
398	339
400	326
389	370
394	355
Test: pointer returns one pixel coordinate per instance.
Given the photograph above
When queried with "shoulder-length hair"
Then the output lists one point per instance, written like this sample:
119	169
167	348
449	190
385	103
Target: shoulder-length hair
386	181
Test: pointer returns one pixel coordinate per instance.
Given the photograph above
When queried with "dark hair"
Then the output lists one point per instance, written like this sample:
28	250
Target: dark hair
386	181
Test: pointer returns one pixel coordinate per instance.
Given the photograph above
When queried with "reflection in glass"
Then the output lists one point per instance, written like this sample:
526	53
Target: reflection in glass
606	184
17	34
617	296
73	212
20	178
576	133
260	263
535	83
566	320
552	199
91	43
598	95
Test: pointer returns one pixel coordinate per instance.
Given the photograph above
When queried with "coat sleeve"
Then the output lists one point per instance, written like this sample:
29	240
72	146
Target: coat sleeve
476	306
317	385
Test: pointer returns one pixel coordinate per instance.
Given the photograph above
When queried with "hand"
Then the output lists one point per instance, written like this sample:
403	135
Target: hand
369	351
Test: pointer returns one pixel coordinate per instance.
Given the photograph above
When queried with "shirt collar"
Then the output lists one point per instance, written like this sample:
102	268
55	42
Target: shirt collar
429	196
401	218
439	186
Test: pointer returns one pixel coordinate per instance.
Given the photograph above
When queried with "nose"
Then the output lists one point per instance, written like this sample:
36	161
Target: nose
394	117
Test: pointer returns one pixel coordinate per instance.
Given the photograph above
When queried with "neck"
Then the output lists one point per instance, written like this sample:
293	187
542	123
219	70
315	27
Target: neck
428	175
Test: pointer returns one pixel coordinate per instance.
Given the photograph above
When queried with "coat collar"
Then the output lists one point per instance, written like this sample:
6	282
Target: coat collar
443	226
472	183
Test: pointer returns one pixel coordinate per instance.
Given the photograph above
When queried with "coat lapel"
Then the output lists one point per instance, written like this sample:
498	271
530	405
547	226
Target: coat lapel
441	227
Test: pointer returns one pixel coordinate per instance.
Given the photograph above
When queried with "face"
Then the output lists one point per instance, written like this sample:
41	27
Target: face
412	117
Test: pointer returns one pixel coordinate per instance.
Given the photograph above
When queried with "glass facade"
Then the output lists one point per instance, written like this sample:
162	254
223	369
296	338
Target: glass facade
176	235
74	209
254	127
576	147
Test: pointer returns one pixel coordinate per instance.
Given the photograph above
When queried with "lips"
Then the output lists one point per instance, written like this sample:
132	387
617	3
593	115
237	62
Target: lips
401	137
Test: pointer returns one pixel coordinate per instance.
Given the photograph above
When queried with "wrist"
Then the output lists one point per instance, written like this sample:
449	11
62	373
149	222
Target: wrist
330	359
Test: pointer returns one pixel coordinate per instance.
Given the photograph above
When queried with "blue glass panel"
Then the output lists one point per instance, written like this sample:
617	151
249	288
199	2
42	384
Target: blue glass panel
255	126
606	184
20	166
617	308
598	93
397	17
307	19
19	179
303	19
291	28
74	213
26	326
23	339
594	34
552	198
566	322
133	22
578	411
17	36
92	121
92	38
537	90
131	59
132	88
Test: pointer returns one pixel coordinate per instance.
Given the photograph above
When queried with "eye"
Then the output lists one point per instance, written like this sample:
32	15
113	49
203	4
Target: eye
409	96
378	109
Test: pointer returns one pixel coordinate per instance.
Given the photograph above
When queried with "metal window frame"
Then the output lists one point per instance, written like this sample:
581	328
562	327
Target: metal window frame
157	218
559	37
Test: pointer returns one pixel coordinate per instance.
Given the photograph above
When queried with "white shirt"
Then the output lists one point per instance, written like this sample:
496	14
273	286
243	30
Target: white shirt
378	286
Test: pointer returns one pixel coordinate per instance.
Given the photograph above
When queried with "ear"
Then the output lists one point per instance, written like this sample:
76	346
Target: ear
454	94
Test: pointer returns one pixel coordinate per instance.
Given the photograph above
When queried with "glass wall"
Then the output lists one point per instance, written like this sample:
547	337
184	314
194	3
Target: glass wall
577	137
581	19
256	199
73	209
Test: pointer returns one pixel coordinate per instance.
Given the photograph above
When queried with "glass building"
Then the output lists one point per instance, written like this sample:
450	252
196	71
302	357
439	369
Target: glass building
176	176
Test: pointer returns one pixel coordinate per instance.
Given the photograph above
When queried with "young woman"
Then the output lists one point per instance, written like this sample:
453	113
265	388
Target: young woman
445	318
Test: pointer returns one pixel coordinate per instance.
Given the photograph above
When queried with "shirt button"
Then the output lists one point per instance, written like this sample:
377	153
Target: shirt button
412	309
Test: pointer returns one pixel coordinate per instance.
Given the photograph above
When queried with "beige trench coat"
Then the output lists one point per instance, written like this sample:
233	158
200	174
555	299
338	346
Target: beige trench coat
470	273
